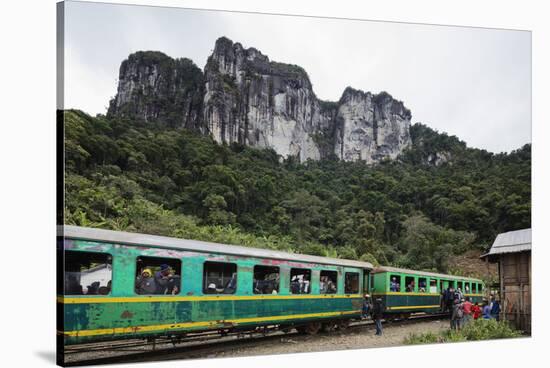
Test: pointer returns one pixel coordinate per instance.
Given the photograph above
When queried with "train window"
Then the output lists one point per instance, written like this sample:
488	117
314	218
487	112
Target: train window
371	285
460	286
156	275
422	284
300	281
409	284
395	283
328	282
220	278
351	283
480	288
87	273
474	288
266	280
433	286
466	288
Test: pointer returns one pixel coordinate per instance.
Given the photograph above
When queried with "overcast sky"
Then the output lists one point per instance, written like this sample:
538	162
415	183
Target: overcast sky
469	82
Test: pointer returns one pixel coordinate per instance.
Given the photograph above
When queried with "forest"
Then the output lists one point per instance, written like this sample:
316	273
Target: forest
438	199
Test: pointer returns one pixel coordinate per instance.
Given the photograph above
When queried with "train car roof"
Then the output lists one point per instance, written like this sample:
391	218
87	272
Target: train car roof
421	273
121	237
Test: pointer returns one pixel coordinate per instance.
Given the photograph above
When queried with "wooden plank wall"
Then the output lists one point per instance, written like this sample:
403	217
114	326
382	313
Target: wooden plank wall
515	285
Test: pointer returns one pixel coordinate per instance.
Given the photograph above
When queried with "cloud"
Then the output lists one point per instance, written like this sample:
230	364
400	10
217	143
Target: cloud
470	82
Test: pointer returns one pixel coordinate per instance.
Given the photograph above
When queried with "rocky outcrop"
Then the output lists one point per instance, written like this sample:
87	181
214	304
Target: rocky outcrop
154	87
253	101
244	97
371	127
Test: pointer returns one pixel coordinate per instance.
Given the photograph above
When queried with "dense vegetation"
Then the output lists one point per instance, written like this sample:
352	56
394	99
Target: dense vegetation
410	212
476	330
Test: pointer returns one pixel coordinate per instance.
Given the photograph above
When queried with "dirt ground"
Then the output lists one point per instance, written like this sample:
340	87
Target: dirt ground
359	338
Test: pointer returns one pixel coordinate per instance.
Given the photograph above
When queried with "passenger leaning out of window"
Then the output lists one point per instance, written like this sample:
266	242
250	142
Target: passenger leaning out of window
162	278
145	284
394	285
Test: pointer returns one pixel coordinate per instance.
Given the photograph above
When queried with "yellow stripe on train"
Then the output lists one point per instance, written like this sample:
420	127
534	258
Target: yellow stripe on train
172	326
169	298
403	293
413	307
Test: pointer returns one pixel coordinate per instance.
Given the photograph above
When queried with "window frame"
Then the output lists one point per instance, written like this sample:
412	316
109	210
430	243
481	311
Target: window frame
153	275
426	285
205	287
253	278
309	272
358	282
398	276
409	277
335	282
108	253
437	289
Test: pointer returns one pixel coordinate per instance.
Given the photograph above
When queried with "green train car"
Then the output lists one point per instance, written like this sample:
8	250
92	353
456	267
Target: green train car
405	291
118	285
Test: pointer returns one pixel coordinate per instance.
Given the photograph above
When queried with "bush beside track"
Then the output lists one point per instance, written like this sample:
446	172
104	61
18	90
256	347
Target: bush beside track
480	329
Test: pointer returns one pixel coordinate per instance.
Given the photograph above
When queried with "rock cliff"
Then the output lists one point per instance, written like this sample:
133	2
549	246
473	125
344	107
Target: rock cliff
154	87
244	97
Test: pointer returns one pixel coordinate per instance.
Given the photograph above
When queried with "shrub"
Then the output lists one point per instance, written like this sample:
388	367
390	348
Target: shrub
480	329
426	338
488	329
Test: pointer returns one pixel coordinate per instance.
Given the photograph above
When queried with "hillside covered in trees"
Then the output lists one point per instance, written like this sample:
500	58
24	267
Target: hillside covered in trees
440	198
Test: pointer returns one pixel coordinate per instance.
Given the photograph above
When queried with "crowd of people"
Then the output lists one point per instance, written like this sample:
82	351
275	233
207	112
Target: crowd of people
266	285
299	284
73	287
217	285
461	309
164	281
326	285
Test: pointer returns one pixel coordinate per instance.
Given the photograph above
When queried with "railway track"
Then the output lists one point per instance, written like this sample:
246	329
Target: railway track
199	346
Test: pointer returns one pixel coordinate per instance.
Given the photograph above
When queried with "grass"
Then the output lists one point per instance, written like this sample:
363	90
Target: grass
476	330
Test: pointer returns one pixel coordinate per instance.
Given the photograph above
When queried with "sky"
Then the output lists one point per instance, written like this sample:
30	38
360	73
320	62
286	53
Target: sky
474	83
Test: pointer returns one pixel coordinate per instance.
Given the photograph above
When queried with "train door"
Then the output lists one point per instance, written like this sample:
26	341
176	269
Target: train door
366	281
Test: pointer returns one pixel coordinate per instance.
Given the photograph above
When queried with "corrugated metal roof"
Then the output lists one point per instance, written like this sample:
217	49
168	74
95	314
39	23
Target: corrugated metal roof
421	273
511	242
121	237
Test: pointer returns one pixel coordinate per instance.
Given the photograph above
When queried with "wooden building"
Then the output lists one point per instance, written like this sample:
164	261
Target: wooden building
512	252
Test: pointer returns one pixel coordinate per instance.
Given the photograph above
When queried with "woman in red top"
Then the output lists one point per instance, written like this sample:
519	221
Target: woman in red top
476	311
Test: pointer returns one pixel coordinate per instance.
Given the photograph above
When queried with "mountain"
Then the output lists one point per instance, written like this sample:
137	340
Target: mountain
412	212
243	97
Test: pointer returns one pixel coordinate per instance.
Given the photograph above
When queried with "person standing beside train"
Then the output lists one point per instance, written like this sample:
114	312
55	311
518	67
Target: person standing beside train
367	306
467	308
476	311
495	310
457	315
486	310
377	313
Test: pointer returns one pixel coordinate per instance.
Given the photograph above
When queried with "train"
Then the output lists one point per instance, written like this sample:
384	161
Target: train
121	285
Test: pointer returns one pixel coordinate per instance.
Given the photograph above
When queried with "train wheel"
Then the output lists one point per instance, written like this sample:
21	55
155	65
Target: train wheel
343	324
286	330
328	327
301	329
313	328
